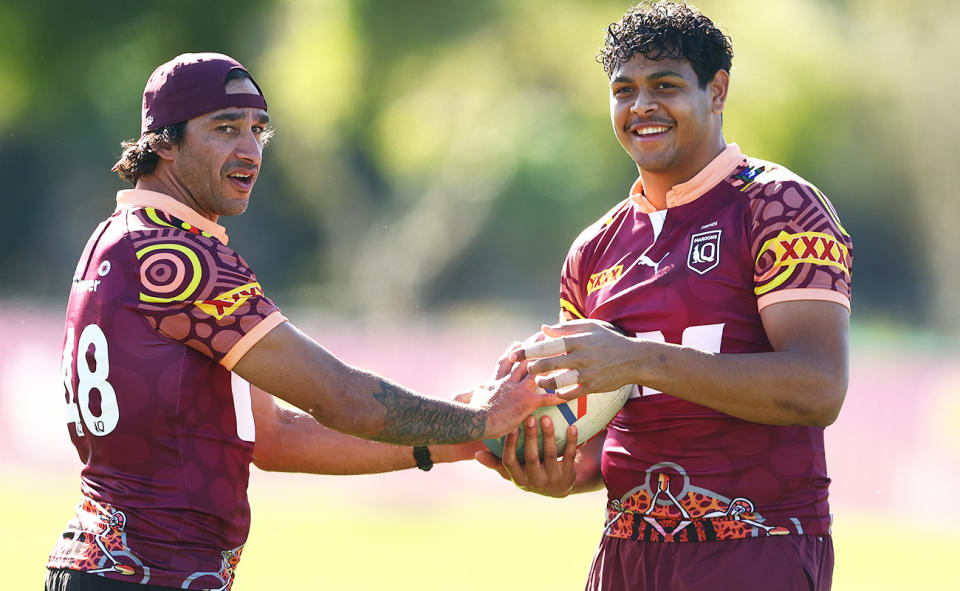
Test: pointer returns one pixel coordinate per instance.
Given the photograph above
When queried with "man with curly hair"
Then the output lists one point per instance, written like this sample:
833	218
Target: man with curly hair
171	346
721	286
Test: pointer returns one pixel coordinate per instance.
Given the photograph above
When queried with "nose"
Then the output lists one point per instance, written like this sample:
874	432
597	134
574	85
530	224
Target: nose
643	104
249	147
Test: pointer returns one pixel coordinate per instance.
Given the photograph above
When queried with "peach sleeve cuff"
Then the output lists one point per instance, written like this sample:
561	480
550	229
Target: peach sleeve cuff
250	339
809	293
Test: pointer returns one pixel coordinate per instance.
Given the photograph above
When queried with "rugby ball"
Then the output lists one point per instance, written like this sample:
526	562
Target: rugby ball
591	414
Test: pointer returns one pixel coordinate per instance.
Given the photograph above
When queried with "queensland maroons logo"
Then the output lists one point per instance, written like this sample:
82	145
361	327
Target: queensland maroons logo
704	251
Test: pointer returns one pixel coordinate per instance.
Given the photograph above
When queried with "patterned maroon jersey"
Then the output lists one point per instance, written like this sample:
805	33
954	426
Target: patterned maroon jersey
159	312
739	236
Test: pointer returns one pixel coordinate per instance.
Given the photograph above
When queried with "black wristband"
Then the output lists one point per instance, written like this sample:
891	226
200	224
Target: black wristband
421	454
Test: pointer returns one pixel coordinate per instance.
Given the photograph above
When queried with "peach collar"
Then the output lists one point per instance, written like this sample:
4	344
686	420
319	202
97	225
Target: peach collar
718	169
143	198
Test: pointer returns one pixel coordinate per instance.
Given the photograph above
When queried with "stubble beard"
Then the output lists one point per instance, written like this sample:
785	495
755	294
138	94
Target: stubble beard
657	163
227	205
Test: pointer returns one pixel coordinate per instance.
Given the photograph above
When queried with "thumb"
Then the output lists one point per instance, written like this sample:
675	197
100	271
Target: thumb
504	364
562	329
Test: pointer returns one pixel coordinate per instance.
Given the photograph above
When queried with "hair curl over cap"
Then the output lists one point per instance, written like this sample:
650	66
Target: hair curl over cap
667	30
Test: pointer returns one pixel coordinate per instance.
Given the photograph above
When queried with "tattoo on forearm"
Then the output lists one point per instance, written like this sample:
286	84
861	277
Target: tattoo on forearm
415	420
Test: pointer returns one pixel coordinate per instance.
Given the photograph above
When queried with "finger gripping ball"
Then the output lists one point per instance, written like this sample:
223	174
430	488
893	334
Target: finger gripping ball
591	414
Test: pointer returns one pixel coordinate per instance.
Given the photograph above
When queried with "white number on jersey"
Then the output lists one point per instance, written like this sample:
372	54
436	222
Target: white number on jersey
243	408
78	409
706	337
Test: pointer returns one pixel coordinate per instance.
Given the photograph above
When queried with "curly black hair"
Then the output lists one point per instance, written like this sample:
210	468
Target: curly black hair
667	30
138	157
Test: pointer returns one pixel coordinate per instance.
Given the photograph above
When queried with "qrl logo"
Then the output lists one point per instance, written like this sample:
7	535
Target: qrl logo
704	251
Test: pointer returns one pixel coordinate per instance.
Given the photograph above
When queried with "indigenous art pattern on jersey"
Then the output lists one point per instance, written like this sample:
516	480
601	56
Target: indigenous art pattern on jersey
192	294
652	512
159	311
95	542
742	235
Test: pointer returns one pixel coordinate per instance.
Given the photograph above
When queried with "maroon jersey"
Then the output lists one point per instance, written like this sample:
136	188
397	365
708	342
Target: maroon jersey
159	312
739	236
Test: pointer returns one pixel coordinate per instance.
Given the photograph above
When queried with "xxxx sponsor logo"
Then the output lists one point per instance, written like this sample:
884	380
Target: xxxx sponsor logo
807	247
228	302
605	277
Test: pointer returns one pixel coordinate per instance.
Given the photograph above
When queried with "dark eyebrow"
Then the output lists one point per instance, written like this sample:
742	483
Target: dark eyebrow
263	119
227	116
654	76
664	74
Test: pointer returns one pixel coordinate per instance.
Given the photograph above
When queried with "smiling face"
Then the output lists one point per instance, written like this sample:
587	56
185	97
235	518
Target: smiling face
668	124
215	167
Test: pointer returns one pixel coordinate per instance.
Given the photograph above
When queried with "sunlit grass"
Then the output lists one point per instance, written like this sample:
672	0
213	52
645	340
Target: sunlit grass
374	533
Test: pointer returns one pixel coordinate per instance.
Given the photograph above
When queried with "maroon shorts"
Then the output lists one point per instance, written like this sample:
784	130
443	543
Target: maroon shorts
784	563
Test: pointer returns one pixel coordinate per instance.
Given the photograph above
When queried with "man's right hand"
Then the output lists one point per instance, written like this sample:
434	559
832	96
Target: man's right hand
508	400
550	477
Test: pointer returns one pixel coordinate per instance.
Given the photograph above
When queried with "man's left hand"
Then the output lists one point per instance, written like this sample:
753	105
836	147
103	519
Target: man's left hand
584	356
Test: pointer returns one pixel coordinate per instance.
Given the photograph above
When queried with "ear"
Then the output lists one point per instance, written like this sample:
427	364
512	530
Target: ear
718	91
165	150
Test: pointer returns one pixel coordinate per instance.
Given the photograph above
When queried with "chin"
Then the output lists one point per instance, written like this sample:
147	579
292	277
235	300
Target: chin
653	164
235	206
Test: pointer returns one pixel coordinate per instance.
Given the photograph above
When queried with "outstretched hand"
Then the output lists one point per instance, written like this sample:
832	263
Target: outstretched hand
551	477
510	399
579	358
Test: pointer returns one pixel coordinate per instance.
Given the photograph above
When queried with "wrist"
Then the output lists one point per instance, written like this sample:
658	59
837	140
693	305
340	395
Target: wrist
423	458
455	452
641	367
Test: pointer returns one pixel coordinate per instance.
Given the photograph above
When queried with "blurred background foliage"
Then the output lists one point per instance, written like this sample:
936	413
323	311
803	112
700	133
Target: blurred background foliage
441	155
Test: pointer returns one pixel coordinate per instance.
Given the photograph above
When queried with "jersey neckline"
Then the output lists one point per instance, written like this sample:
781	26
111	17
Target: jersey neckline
712	174
144	198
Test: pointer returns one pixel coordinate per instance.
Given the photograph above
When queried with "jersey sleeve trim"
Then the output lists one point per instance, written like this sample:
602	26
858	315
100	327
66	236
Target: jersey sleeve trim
250	339
567	309
811	293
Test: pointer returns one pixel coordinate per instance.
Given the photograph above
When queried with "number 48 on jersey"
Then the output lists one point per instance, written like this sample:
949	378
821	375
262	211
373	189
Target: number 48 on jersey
91	367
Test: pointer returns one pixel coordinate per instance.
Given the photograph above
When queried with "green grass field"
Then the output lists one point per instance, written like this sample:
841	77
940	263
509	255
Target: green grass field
311	533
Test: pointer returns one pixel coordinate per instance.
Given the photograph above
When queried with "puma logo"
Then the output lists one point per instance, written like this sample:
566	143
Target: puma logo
645	260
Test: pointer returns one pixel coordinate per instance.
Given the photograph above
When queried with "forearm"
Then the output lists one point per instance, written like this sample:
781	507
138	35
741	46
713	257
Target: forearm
289	440
301	444
781	387
293	367
381	410
588	479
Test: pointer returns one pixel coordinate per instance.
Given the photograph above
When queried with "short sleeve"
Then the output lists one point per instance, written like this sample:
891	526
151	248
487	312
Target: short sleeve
571	290
199	292
801	251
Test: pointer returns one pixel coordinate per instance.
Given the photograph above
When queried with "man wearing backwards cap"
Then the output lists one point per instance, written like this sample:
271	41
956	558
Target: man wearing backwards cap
170	343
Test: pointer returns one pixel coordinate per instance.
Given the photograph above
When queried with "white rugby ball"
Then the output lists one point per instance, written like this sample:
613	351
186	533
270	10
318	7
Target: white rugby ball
591	414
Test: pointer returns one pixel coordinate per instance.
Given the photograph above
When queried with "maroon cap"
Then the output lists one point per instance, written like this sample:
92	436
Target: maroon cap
190	85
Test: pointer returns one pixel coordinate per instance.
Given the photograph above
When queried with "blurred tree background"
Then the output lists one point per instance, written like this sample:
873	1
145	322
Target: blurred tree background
441	155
